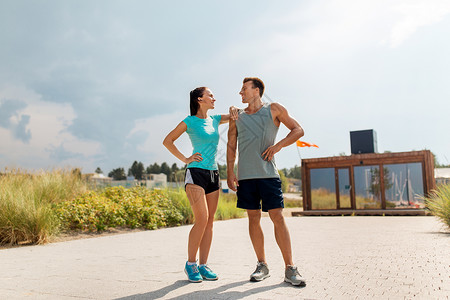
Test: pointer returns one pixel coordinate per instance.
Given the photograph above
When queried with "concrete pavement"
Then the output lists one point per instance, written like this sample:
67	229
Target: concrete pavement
341	258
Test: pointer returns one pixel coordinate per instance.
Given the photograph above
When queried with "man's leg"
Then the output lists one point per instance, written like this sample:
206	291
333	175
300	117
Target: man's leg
282	234
256	233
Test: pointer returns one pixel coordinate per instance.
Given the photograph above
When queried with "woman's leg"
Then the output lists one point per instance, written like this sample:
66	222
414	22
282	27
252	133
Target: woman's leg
212	200
197	199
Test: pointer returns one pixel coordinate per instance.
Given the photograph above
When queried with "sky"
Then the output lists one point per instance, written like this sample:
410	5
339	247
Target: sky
92	84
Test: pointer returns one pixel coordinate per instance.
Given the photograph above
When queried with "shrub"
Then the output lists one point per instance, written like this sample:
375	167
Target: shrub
227	207
135	207
25	203
439	204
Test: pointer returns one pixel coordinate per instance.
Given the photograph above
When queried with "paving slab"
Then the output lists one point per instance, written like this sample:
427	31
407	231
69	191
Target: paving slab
341	258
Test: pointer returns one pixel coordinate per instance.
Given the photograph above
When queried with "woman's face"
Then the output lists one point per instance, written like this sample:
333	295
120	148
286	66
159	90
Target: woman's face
207	100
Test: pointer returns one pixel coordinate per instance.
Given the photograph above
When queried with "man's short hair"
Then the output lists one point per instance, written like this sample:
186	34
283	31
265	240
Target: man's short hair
257	83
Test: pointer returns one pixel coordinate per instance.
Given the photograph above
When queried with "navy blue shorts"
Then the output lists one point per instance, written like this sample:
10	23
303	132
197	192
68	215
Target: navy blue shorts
207	179
252	192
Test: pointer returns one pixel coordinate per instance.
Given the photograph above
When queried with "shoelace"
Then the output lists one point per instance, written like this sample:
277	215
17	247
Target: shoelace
194	269
259	268
207	269
295	271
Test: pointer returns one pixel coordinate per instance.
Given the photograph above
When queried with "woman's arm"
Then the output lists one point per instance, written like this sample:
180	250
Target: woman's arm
233	115
170	145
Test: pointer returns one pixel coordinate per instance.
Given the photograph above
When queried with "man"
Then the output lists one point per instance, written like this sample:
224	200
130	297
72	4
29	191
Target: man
258	179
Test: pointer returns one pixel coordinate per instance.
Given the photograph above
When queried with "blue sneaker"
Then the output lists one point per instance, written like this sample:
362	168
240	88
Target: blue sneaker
207	273
192	273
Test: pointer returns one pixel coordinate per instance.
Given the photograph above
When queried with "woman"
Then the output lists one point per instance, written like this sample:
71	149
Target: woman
202	176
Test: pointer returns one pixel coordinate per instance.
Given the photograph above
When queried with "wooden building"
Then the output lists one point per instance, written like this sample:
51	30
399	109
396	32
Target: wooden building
372	183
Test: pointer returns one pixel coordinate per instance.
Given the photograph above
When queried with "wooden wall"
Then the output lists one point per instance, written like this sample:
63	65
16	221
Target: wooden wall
424	157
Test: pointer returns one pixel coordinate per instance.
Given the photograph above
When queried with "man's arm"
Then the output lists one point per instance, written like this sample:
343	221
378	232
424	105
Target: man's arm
280	114
231	155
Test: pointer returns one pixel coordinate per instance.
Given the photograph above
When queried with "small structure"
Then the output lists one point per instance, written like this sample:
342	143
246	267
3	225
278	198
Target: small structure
294	185
224	187
155	180
372	183
442	175
99	180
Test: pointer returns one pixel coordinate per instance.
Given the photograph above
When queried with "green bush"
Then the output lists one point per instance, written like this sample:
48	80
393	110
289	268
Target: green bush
34	207
439	204
136	207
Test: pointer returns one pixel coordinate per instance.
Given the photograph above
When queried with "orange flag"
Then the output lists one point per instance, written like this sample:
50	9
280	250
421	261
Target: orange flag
305	144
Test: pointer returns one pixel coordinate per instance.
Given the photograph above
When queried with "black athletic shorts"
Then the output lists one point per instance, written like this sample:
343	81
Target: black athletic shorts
207	179
251	192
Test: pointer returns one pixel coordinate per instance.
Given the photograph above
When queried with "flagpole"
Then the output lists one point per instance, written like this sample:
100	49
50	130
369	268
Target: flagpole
298	151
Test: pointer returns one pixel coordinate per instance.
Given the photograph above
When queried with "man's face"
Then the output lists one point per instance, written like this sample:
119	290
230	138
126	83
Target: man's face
248	92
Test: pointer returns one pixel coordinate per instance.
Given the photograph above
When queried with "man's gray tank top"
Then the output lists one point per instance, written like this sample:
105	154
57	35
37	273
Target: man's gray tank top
255	133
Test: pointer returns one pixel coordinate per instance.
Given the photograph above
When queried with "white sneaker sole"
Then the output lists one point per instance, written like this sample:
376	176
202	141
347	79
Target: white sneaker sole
210	279
257	280
301	283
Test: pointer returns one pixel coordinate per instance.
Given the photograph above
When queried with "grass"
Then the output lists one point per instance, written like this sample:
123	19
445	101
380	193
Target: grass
323	199
36	206
226	208
439	204
25	203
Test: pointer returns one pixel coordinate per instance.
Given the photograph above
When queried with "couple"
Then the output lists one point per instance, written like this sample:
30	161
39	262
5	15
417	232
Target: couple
254	129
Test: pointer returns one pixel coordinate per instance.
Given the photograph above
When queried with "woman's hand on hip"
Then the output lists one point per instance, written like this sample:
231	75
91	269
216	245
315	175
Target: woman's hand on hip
194	157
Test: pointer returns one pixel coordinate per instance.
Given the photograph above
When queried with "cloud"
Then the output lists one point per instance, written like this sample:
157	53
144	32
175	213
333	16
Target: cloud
44	127
416	14
10	118
60	154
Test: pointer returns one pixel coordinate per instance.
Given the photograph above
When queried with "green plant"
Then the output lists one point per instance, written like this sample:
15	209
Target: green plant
25	203
438	203
226	208
136	207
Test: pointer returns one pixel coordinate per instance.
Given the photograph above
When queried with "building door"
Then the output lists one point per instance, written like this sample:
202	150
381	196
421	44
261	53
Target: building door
343	188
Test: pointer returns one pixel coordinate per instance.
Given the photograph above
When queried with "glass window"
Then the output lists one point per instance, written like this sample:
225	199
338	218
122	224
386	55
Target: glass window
367	187
404	186
344	188
323	189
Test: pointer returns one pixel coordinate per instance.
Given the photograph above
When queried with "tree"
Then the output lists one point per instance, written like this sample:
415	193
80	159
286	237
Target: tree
98	170
118	174
165	169
76	172
174	169
137	170
222	171
153	169
284	182
375	184
179	175
295	172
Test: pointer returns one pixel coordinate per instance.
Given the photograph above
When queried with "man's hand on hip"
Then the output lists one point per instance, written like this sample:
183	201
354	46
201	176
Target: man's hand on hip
270	152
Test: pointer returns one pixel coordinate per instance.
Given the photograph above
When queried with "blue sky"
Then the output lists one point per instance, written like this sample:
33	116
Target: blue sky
100	83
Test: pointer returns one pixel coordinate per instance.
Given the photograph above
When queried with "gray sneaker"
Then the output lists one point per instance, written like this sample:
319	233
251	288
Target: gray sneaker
293	276
261	272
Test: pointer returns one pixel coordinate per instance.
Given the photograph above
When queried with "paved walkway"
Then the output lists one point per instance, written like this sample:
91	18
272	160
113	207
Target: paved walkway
341	257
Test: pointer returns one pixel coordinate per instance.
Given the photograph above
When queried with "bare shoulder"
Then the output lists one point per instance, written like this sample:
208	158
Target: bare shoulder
277	108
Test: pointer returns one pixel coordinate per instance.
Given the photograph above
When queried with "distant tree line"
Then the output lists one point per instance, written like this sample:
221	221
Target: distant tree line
175	173
295	172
